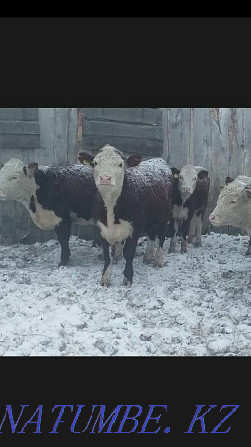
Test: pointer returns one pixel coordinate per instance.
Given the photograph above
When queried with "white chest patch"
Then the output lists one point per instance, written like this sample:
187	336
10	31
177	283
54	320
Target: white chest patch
179	212
115	232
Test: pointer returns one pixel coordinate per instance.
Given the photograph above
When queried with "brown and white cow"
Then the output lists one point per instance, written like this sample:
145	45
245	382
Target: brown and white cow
189	201
54	196
131	202
234	205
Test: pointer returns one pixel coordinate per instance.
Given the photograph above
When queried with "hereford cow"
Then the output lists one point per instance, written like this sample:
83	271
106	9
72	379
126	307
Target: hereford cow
54	196
234	205
131	202
189	201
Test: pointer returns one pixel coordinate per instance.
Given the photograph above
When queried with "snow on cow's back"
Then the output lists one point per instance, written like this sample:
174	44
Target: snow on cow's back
148	173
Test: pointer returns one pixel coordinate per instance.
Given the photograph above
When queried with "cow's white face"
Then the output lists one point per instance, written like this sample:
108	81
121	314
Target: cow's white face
231	207
187	180
15	184
109	170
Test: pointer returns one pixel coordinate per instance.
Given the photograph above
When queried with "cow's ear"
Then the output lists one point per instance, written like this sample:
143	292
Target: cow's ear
248	191
203	174
222	187
228	180
85	158
133	160
1	165
175	172
31	169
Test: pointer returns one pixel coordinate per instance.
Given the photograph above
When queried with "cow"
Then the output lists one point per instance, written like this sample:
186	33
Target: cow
234	205
134	199
189	202
54	196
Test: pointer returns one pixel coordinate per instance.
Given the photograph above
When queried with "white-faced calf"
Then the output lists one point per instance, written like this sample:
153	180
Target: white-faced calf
234	205
54	196
131	202
189	201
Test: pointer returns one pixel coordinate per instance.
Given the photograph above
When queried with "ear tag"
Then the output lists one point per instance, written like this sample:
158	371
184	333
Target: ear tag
85	162
176	175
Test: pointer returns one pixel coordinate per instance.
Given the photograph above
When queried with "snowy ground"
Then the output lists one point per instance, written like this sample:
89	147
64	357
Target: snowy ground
198	304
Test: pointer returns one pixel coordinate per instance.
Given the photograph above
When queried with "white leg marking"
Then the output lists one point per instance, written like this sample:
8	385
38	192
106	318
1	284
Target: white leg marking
149	253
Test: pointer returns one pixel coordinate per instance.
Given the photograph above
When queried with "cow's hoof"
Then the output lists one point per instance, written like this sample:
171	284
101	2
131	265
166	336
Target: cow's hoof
183	250
248	253
197	244
189	240
147	260
126	282
105	282
171	250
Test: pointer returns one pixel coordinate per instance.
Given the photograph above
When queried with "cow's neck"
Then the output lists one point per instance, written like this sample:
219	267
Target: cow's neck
27	196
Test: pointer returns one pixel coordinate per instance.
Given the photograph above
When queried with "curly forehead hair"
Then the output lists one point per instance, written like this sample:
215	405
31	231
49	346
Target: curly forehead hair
114	148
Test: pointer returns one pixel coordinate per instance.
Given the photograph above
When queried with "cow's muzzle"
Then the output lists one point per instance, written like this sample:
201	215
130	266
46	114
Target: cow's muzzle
105	180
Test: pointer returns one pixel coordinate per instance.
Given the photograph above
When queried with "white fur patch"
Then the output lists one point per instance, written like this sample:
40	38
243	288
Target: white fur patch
179	212
44	219
115	232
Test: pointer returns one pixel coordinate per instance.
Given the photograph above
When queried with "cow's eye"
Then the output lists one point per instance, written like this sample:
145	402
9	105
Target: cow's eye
233	201
14	177
121	165
195	178
180	177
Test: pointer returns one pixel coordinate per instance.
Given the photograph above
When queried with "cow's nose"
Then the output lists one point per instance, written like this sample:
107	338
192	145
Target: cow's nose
211	217
105	179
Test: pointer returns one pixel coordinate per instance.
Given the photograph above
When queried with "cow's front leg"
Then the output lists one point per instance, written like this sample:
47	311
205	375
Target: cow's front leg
106	276
129	252
63	232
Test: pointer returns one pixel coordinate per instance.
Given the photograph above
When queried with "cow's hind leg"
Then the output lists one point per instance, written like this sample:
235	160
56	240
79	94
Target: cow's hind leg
106	276
158	259
173	226
63	232
192	230
129	252
149	253
248	252
199	224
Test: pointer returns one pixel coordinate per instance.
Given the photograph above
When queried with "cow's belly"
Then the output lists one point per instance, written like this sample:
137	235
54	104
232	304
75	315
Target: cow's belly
116	232
179	212
80	220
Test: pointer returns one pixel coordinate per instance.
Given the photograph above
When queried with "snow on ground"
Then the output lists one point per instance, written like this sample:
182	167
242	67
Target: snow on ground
198	304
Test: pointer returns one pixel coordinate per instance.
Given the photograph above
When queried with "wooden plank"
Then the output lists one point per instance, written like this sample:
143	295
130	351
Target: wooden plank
149	148
19	127
61	130
8	230
19	141
125	115
114	129
30	114
11	113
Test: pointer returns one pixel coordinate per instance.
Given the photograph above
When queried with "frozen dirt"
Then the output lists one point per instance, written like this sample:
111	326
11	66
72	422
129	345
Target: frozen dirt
198	304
